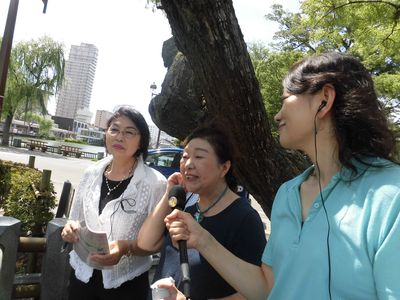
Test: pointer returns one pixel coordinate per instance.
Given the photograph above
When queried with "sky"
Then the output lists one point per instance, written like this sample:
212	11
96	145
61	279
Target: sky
129	38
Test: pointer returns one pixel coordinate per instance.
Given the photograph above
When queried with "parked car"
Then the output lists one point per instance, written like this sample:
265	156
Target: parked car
166	161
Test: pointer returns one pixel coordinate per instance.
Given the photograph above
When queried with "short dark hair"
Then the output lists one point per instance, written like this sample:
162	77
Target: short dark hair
221	142
361	126
137	118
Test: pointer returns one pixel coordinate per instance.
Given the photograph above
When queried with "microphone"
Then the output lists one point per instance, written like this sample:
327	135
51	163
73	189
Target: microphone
177	199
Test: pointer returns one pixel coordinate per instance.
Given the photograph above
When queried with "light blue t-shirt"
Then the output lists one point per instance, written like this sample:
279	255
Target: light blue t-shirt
364	243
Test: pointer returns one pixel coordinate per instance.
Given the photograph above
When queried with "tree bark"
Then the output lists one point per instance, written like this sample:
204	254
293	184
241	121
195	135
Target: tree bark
180	97
208	34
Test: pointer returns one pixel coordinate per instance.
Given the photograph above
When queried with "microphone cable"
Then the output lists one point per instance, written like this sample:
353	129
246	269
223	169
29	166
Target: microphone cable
323	205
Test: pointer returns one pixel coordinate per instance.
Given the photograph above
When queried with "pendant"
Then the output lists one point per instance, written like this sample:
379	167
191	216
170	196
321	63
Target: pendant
198	216
108	194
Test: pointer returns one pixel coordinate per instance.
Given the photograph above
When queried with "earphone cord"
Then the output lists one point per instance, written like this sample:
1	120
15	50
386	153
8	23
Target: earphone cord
116	206
323	205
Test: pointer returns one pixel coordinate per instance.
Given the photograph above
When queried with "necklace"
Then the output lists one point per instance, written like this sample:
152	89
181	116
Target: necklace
119	183
199	215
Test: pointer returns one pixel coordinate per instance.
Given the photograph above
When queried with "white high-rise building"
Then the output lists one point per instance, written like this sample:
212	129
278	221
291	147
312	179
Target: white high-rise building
80	69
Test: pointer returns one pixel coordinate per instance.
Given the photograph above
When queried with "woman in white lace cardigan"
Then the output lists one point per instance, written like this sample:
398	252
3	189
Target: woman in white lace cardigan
115	195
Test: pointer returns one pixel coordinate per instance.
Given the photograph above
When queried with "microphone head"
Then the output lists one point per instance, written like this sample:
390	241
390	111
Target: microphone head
177	197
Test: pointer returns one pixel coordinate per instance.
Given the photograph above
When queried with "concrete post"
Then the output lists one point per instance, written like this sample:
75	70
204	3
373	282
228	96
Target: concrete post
31	163
9	238
55	264
64	202
100	155
45	183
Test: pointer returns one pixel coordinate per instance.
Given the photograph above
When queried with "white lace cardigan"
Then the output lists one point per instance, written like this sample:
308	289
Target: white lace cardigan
146	188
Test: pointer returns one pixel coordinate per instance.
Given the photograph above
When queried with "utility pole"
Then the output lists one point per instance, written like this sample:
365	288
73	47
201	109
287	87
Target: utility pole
6	45
153	87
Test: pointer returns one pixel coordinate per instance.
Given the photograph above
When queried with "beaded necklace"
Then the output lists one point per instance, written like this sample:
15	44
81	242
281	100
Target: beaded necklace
199	215
119	183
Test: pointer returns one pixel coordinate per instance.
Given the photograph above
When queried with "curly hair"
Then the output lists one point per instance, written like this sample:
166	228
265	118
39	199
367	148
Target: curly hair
360	125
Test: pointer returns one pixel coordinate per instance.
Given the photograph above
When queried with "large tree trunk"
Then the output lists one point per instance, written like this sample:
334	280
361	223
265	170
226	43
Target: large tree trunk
180	97
208	34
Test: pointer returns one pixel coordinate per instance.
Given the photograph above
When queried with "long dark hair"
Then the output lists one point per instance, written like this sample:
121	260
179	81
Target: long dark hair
222	145
360	124
137	118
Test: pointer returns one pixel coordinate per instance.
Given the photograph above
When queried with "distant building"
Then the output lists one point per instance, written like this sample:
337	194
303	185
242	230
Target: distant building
69	124
80	130
32	129
77	86
153	135
160	137
64	123
91	135
22	127
102	116
84	115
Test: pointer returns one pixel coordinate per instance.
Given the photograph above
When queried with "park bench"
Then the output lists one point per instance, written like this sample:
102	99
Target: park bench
34	144
70	150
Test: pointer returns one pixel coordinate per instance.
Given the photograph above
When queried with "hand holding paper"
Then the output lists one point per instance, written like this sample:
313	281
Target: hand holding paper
90	243
114	256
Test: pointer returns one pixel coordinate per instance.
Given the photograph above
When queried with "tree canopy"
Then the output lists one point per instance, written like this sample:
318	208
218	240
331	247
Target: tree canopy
270	68
367	29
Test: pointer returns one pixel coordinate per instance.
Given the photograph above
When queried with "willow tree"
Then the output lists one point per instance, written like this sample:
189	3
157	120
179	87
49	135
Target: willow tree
35	73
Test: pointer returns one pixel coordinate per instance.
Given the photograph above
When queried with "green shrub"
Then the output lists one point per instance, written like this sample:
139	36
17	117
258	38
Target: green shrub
24	202
71	140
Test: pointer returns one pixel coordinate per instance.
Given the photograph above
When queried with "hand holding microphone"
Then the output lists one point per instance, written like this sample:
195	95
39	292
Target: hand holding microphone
177	199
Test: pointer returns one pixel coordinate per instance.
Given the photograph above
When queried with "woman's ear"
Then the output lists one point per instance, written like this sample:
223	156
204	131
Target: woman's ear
225	167
328	95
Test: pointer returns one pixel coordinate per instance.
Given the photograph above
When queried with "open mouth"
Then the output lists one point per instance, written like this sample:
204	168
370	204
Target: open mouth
190	177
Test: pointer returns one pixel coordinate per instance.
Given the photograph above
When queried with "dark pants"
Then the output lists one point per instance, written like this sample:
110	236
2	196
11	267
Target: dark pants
135	289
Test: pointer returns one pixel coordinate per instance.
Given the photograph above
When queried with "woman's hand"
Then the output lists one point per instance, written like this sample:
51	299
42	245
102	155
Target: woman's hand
69	234
117	249
182	226
175	179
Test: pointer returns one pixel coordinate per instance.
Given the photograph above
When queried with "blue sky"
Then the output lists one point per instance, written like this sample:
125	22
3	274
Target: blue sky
129	38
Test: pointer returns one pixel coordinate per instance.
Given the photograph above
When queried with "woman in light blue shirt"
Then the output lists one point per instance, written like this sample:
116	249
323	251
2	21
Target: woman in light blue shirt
335	230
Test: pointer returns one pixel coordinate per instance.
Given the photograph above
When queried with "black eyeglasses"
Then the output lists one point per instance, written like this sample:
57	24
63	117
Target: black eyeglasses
128	134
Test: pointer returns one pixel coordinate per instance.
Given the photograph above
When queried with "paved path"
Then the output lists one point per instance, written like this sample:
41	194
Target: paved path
62	168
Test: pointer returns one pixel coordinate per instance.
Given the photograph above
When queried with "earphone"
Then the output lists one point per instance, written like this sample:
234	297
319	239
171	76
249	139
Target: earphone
322	105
